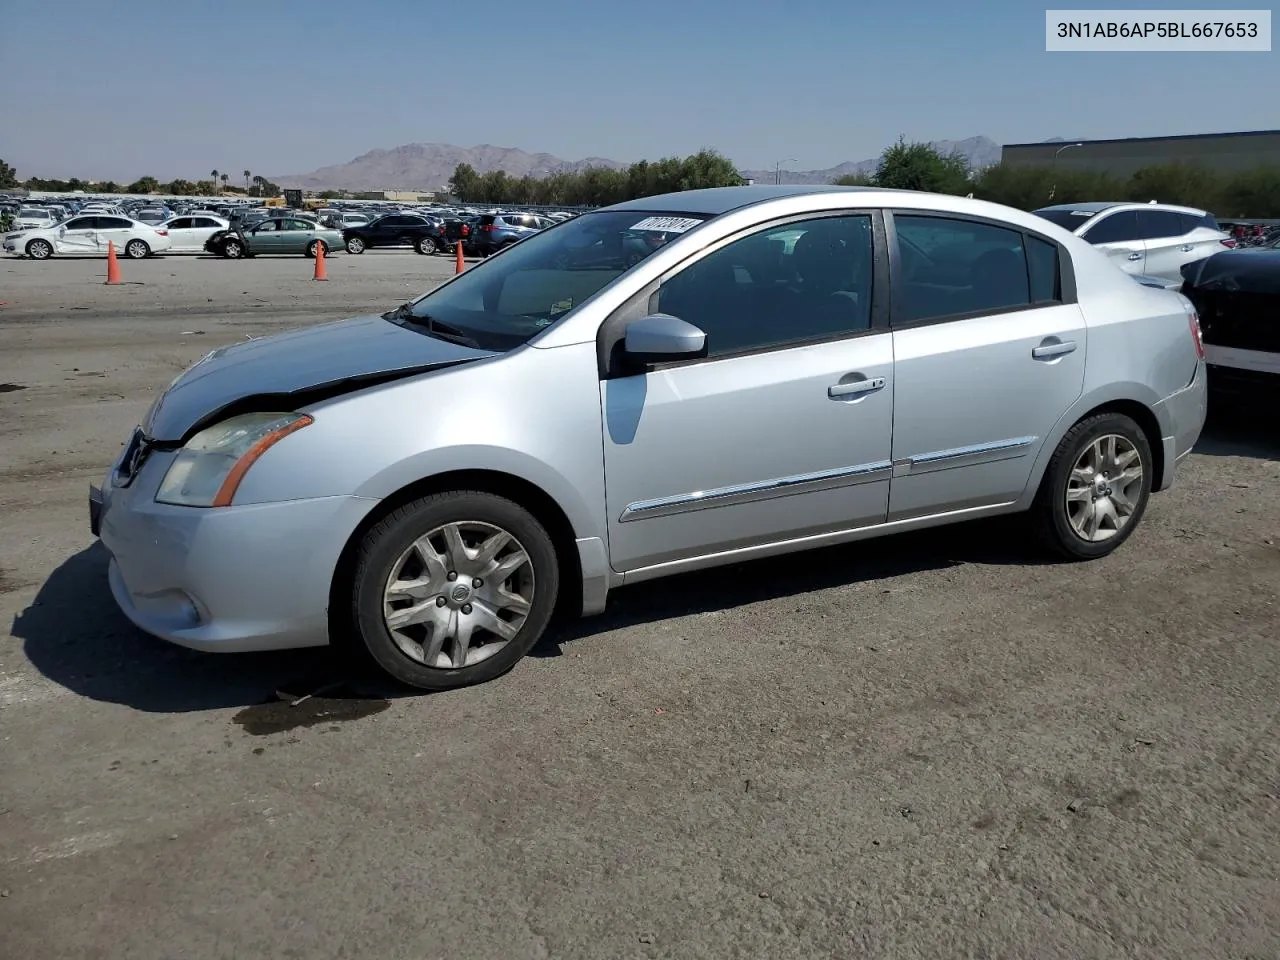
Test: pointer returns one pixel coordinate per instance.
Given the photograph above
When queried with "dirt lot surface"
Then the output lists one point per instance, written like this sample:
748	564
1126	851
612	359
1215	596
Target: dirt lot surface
931	746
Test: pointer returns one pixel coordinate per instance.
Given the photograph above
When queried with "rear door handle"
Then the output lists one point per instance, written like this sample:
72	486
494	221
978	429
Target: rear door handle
1135	256
841	391
1047	351
1187	247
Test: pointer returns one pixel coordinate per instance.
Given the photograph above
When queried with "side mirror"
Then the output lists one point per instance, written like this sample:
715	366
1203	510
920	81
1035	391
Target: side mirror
660	338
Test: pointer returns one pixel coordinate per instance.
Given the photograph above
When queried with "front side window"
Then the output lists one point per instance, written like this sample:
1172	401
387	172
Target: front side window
501	303
1119	227
803	281
959	267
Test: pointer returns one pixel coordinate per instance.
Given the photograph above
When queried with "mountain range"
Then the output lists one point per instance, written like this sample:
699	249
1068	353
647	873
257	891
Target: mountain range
428	166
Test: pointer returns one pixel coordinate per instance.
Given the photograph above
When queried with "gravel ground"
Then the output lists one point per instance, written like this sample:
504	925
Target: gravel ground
934	745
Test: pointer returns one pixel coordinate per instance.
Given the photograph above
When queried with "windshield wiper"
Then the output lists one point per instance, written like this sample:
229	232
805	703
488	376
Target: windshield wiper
443	331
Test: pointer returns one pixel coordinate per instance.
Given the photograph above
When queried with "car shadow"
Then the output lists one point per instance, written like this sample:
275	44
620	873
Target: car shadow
75	636
1241	429
999	541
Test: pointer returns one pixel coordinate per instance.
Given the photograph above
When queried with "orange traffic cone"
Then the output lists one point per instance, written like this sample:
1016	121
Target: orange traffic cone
320	271
113	267
461	264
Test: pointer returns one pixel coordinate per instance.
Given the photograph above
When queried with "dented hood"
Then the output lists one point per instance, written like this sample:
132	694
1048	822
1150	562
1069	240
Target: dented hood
291	369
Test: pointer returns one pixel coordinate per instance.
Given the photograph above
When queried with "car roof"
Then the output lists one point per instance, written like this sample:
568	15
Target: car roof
714	201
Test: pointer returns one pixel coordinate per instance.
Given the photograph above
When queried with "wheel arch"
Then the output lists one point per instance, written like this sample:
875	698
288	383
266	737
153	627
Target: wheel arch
1122	401
523	492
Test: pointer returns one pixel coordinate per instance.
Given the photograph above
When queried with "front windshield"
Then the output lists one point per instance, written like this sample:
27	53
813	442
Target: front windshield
502	303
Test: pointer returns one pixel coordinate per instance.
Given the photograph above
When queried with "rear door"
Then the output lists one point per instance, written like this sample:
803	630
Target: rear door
298	235
116	231
989	353
1168	243
1119	235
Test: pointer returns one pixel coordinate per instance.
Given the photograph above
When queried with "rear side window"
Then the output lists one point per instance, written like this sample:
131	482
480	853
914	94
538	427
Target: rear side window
1042	268
959	267
113	223
1157	224
80	223
205	222
1191	221
1116	228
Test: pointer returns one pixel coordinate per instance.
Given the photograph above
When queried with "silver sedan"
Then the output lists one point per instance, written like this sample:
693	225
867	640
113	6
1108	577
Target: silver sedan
664	385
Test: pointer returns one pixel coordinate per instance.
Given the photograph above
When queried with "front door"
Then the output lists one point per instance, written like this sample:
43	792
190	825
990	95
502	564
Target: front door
266	237
783	430
78	236
1119	236
988	356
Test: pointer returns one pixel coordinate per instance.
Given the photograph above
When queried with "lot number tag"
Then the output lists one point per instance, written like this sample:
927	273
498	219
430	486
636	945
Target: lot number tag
667	224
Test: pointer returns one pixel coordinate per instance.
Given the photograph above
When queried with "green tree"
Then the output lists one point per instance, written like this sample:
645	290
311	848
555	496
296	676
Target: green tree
247	175
8	175
1252	193
1026	186
465	182
1183	183
918	166
144	185
225	178
853	180
107	186
180	188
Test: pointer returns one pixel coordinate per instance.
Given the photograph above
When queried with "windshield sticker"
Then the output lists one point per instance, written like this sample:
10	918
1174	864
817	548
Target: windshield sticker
667	224
561	306
1082	213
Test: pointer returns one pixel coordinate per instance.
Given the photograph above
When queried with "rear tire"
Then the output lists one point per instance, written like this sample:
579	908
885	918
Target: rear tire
426	246
315	245
391	578
137	250
1095	489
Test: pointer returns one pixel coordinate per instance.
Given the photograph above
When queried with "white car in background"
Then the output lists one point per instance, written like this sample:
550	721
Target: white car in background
189	233
34	218
1146	239
88	235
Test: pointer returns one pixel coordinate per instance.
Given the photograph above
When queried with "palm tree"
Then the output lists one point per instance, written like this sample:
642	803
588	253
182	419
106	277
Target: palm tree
246	181
214	176
225	178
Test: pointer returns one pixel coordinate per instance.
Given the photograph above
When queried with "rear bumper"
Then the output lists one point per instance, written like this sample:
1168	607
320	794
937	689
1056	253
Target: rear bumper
1183	414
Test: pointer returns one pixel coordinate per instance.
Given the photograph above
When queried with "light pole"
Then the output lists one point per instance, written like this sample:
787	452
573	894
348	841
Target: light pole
1053	166
777	169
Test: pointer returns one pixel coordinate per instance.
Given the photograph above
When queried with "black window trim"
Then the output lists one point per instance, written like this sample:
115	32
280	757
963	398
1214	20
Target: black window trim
611	362
1065	286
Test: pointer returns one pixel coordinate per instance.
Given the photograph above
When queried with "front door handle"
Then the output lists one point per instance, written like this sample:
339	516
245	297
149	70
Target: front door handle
1135	255
1187	247
1047	351
842	391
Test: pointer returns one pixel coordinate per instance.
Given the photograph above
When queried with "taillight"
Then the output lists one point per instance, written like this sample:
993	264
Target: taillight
489	228
1193	320
466	231
1228	242
163	233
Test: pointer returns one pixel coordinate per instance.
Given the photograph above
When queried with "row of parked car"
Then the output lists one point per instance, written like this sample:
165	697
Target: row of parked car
138	229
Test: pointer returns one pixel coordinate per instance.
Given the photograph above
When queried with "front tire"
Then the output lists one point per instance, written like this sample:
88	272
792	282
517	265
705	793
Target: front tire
453	589
1095	488
39	249
233	250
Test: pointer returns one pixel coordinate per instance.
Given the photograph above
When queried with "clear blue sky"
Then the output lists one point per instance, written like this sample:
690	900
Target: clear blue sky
177	87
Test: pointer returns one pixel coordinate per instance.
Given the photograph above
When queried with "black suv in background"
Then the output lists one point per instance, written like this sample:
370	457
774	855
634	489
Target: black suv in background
394	230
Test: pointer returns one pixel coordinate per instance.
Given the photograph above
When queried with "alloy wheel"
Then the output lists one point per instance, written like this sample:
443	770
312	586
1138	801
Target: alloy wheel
458	595
1105	488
